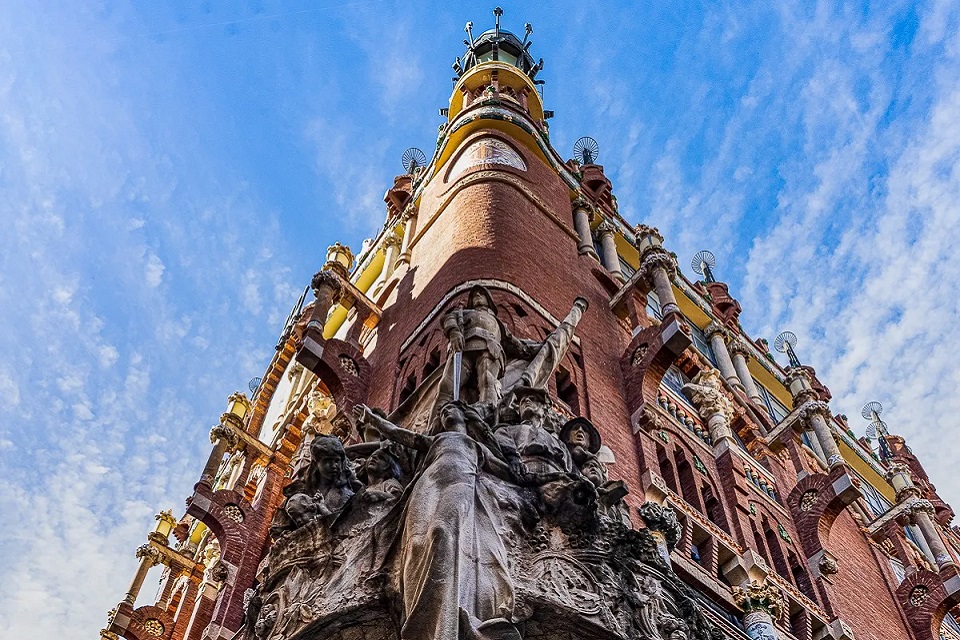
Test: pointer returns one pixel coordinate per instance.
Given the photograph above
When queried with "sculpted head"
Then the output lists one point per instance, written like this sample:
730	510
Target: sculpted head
329	459
382	464
532	404
479	298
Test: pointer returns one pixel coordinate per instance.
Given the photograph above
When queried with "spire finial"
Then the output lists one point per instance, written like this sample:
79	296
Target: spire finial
703	264
497	12
785	343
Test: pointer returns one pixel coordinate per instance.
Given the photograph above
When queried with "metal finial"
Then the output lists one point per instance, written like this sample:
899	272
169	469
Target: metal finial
784	343
497	12
586	150
413	159
703	264
254	384
469	29
871	411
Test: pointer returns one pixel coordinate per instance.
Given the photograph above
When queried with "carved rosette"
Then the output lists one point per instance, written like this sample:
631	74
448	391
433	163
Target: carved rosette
761	596
325	279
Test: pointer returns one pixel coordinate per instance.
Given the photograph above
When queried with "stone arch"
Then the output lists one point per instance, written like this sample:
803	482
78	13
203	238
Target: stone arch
926	597
149	623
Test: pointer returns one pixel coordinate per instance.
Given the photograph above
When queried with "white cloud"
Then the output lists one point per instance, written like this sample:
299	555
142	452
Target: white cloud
153	271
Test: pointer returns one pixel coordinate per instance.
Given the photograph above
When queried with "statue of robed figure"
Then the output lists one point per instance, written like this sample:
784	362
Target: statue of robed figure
454	576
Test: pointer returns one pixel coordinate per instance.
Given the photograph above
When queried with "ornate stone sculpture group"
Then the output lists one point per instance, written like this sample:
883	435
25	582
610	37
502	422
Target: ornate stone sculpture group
496	522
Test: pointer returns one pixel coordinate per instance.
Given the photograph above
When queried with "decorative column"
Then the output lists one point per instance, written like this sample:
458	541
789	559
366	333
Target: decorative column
923	513
391	250
149	556
582	215
409	219
714	407
718	336
741	356
657	267
608	245
816	413
327	288
223	439
763	604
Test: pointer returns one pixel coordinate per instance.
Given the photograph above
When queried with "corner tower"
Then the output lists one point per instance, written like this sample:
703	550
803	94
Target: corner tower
571	438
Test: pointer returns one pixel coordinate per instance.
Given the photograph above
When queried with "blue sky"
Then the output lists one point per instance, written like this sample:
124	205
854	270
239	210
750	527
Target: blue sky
170	177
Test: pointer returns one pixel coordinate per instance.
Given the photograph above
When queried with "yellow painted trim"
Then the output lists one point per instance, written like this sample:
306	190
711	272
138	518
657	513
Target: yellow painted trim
363	282
867	472
507	75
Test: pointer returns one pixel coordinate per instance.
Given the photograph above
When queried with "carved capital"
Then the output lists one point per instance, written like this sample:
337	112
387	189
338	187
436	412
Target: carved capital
739	345
763	596
223	433
715	328
581	203
896	468
923	506
408	214
606	227
656	258
662	519
326	279
150	553
392	240
814	408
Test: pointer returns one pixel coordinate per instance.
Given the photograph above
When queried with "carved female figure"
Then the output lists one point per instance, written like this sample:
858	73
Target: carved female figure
454	578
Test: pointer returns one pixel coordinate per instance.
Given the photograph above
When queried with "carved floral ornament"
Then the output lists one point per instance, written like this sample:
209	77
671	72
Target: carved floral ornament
606	227
326	280
705	391
764	596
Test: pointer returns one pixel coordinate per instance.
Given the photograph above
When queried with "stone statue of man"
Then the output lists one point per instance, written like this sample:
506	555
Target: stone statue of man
483	343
